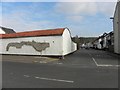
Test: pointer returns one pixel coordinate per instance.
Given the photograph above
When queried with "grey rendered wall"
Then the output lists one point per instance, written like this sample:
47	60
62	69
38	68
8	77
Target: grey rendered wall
116	27
119	27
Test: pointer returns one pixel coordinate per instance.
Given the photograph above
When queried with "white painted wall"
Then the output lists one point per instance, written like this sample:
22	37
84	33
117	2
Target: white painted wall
54	49
98	44
68	45
1	31
105	42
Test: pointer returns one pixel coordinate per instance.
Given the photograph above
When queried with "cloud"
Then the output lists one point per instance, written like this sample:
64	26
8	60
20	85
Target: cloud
75	19
25	16
79	17
106	8
59	0
21	22
75	11
81	8
86	0
78	10
0	13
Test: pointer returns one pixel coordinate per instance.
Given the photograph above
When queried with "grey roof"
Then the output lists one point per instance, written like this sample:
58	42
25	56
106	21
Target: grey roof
7	30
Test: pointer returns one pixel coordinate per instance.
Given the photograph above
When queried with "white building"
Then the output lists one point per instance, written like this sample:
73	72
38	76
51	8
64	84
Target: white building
116	27
4	30
96	43
52	42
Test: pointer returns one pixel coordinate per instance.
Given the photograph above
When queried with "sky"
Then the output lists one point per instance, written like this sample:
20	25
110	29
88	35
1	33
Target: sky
85	19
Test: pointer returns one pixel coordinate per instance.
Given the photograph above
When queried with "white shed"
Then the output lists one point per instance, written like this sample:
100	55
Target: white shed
52	42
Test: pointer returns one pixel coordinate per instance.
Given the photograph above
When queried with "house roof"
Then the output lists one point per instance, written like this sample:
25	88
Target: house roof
49	32
104	35
7	30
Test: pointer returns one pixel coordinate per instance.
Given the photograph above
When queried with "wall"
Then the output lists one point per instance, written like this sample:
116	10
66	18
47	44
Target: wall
1	31
68	45
1	74
98	44
55	45
104	42
119	27
116	28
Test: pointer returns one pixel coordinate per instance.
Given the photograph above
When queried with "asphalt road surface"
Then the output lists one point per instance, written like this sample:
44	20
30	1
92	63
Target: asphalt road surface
82	69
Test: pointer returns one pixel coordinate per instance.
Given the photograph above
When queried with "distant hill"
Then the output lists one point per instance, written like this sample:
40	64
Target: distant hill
86	39
81	40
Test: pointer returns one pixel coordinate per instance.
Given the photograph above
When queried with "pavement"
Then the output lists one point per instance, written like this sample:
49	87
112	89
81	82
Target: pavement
82	69
28	59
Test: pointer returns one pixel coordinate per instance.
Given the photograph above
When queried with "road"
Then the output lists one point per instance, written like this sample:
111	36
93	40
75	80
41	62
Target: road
82	69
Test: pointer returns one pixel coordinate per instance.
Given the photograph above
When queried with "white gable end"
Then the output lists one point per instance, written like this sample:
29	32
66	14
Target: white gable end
1	31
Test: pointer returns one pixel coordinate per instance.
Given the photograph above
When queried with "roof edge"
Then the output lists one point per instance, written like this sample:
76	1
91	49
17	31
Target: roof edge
47	32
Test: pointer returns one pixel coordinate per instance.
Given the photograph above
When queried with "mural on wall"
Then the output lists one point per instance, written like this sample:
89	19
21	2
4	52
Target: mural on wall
36	45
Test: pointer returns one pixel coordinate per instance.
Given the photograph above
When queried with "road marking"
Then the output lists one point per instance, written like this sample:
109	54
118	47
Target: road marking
59	63
94	61
104	65
109	65
26	76
59	80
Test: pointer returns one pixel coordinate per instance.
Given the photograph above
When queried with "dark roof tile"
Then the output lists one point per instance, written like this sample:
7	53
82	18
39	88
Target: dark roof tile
7	30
